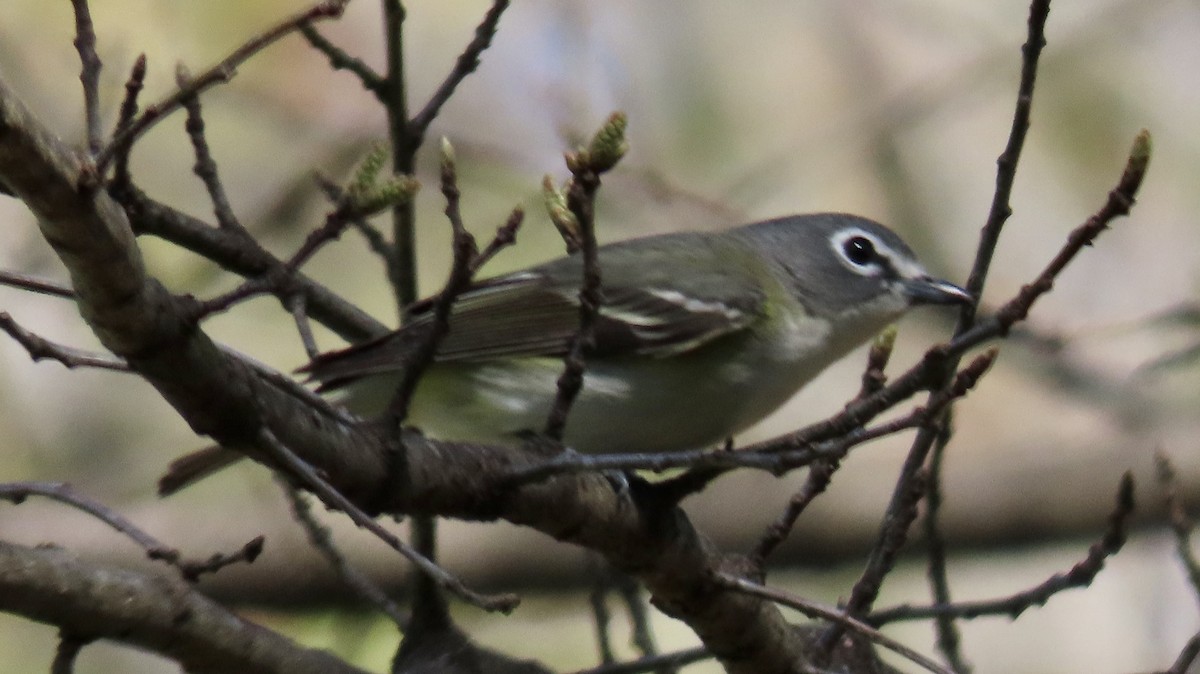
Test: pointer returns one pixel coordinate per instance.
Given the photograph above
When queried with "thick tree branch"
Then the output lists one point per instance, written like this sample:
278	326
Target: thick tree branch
160	614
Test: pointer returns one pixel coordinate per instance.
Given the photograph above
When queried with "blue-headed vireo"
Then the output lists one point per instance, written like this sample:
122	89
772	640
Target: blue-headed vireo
698	336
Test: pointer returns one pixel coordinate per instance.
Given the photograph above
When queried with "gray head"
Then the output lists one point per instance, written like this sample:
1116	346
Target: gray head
847	266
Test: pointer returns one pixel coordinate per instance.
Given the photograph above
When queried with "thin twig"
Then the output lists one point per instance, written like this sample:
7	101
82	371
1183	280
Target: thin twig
407	135
639	618
598	600
1006	164
206	167
375	238
297	306
466	64
339	59
899	509
191	570
1181	524
506	235
1119	201
581	200
218	74
651	663
820	473
290	386
69	647
89	76
280	280
37	285
39	347
402	263
268	283
322	539
900	515
815	610
246	257
122	180
17	492
948	639
459	279
789	454
1186	657
1080	575
309	478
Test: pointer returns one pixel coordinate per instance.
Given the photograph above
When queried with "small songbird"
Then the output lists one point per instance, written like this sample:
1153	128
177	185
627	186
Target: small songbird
698	335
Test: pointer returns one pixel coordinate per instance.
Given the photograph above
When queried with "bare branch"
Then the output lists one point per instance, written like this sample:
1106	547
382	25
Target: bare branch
322	539
466	64
651	663
586	166
246	257
153	612
949	642
901	513
1119	201
901	506
297	305
819	475
814	610
830	438
330	496
52	288
69	647
89	76
218	74
129	109
17	492
582	198
458	280
1181	524
1080	575
1187	656
39	347
821	471
205	167
1006	171
506	235
340	60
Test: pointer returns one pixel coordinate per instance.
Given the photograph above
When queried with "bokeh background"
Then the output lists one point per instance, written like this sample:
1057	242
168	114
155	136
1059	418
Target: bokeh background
895	110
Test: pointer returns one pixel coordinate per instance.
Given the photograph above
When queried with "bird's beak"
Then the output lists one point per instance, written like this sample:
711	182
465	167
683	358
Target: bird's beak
928	290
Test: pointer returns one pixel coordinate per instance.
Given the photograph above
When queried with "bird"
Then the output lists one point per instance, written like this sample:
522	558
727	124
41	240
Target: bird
698	336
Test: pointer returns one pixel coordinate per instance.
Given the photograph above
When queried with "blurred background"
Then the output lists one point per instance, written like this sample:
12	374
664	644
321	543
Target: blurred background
894	110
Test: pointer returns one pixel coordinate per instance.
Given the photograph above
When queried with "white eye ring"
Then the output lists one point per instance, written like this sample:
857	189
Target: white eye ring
859	251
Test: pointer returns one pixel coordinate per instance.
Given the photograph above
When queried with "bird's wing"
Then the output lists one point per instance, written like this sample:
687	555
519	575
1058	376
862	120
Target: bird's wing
536	316
536	313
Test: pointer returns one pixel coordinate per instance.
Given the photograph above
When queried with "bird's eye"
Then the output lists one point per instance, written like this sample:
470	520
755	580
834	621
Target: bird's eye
859	250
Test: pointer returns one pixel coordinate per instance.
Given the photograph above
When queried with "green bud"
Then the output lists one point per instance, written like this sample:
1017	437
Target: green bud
1143	147
390	193
368	171
609	144
448	158
885	341
562	217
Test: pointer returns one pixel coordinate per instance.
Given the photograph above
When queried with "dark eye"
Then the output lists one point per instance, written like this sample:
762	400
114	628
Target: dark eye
859	250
